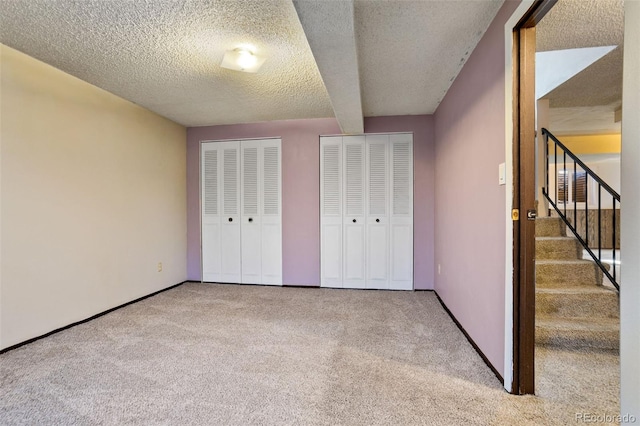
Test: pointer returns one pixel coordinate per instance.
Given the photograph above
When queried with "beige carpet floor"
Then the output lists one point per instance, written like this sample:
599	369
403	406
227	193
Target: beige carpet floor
207	354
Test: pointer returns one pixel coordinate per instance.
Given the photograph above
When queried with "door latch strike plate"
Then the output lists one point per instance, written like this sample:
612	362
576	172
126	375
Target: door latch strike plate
515	214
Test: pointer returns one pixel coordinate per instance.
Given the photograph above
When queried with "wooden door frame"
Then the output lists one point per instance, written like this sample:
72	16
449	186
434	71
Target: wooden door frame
524	193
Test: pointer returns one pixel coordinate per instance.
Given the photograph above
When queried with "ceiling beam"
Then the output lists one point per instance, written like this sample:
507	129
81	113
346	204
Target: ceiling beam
329	28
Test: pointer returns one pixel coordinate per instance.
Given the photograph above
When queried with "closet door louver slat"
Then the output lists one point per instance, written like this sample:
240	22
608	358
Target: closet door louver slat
210	168
271	180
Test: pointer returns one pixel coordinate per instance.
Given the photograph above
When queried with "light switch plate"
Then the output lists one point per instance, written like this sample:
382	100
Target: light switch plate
502	174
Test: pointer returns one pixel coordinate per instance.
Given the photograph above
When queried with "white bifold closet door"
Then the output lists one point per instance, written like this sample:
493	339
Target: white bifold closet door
261	212
377	245
241	212
401	212
271	211
210	164
251	223
367	211
331	211
353	228
221	249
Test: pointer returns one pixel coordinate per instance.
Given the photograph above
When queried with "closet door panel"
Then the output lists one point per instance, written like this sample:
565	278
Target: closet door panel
377	257
331	211
401	218
354	274
211	256
271	211
271	254
401	257
377	203
230	224
331	272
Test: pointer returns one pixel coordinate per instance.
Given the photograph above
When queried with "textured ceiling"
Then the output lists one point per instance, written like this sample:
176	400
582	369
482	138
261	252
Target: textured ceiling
581	23
411	51
583	120
598	84
585	23
165	54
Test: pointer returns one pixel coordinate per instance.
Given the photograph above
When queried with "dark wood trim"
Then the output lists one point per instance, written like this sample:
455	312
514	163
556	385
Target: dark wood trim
524	193
515	203
473	344
527	189
535	14
57	330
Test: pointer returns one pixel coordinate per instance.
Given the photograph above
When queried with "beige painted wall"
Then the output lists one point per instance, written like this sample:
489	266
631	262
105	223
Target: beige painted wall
93	198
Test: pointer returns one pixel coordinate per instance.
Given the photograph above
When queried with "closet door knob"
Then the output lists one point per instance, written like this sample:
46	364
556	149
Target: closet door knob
354	221
230	219
250	219
377	220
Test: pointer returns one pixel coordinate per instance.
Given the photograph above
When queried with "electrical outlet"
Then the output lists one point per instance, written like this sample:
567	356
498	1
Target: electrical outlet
159	266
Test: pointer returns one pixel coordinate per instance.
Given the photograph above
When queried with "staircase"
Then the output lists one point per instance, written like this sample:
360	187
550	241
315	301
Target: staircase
573	309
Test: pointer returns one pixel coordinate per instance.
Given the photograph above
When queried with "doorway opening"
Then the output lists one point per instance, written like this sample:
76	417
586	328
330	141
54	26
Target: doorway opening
554	312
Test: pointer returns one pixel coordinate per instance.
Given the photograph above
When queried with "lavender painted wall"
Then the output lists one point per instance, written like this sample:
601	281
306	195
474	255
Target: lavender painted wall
301	190
469	210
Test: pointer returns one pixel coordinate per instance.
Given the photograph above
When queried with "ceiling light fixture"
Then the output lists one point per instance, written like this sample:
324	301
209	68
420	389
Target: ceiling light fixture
242	60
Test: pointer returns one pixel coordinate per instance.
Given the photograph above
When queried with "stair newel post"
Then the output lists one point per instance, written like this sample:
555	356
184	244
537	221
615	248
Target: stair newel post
555	165
613	243
575	203
600	220
565	181
586	210
546	158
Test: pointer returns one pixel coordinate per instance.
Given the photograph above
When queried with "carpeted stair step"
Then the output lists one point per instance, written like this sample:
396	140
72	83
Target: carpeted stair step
558	248
577	302
579	333
567	273
550	227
